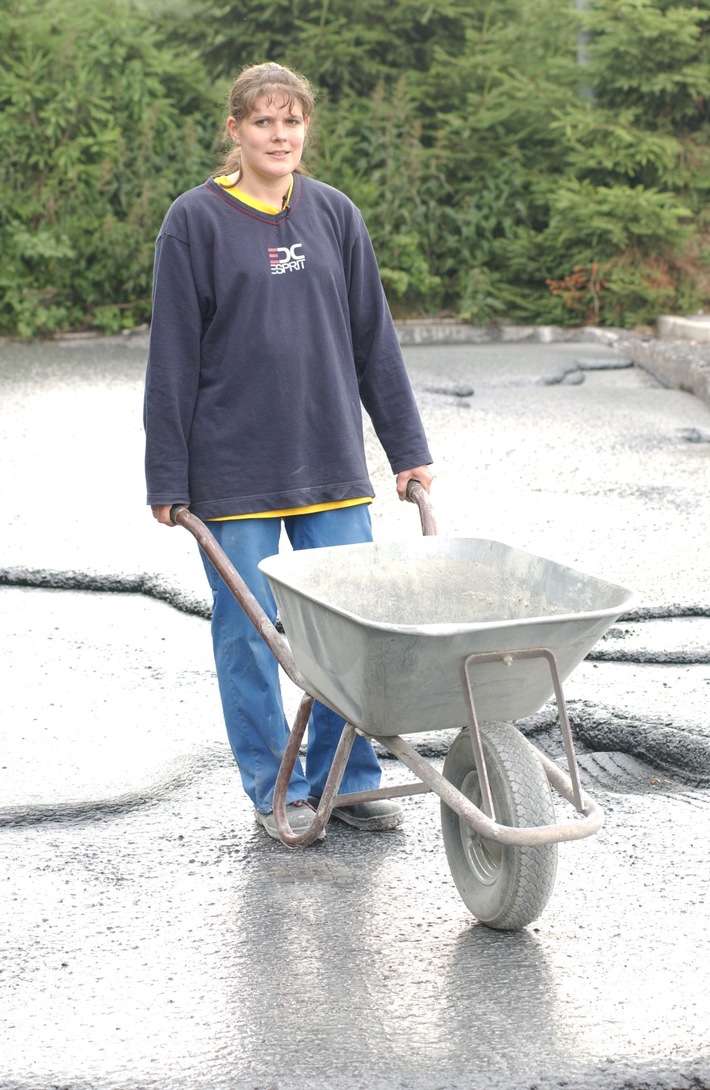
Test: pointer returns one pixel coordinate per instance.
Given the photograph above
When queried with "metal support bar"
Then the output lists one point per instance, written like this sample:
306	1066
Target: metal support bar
590	823
332	784
403	790
508	657
477	746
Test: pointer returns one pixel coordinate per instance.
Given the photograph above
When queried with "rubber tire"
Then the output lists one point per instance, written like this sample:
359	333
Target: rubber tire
505	886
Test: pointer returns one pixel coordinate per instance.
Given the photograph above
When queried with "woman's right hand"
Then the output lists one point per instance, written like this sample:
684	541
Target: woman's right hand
161	512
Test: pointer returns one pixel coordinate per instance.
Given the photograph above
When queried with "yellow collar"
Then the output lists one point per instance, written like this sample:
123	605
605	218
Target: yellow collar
260	206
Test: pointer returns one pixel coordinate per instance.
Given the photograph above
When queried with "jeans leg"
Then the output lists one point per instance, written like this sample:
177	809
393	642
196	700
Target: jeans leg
342	526
247	671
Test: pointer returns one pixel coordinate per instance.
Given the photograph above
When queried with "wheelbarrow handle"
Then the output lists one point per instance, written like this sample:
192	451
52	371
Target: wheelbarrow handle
276	643
417	493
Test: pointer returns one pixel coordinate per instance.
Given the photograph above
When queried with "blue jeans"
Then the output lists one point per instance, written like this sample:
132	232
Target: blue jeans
248	673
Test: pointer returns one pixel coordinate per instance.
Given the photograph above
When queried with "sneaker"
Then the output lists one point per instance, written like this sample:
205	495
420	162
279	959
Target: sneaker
298	814
372	817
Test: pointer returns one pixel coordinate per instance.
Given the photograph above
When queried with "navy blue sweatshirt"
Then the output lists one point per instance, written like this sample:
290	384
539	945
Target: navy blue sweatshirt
268	332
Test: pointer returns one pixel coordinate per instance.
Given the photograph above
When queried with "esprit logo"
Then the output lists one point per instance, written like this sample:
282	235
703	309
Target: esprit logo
286	258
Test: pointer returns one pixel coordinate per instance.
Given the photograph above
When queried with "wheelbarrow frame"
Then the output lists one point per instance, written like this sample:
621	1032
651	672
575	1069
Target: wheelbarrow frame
481	820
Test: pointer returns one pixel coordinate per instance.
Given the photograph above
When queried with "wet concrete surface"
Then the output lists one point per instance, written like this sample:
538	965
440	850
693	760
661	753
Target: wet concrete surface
155	937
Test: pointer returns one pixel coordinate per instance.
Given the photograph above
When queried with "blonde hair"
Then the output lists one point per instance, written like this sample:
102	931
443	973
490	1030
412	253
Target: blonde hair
270	81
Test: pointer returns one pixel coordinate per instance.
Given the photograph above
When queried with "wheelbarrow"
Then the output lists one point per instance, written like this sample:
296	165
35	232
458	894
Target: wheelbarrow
441	633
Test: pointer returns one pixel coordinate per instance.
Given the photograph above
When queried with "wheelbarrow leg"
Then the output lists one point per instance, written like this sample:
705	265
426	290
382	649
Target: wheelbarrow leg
288	763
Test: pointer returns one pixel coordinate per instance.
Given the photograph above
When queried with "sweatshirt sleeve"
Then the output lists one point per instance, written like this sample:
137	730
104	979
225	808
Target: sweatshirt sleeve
385	389
172	376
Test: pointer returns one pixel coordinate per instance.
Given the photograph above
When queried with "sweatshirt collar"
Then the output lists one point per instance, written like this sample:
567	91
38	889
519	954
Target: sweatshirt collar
257	209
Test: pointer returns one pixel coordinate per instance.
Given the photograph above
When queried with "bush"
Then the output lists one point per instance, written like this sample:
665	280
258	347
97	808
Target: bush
101	126
511	161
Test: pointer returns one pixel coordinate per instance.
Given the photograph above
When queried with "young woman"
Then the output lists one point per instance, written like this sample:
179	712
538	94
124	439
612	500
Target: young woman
270	329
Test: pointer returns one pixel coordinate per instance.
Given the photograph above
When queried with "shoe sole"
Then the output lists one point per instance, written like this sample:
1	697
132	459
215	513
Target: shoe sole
371	825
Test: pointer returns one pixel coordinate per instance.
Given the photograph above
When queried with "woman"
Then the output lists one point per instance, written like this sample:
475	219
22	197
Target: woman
269	330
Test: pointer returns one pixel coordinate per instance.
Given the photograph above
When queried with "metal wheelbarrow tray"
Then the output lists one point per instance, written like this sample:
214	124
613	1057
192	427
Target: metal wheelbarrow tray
442	633
380	631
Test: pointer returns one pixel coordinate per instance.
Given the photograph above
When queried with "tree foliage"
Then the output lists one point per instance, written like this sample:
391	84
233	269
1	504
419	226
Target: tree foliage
499	176
101	126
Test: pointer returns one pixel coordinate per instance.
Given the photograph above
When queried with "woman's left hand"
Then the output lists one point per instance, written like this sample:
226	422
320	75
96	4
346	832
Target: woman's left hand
422	474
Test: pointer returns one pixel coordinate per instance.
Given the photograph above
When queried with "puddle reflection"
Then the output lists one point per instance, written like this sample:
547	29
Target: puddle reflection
362	989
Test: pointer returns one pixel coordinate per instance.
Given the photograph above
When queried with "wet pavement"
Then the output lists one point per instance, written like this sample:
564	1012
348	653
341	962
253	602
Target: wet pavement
154	937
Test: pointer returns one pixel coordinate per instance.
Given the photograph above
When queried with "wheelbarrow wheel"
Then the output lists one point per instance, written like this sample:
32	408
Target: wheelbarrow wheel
505	886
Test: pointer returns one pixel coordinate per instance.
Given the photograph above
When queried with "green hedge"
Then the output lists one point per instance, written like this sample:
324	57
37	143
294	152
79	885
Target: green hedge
101	126
512	160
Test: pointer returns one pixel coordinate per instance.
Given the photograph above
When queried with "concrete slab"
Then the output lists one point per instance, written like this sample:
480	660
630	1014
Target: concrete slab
694	328
155	939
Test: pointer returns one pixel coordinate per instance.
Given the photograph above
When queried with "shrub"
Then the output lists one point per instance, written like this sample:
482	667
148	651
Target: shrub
101	126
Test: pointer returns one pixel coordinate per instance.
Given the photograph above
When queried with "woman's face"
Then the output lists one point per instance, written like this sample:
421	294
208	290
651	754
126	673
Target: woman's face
271	140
